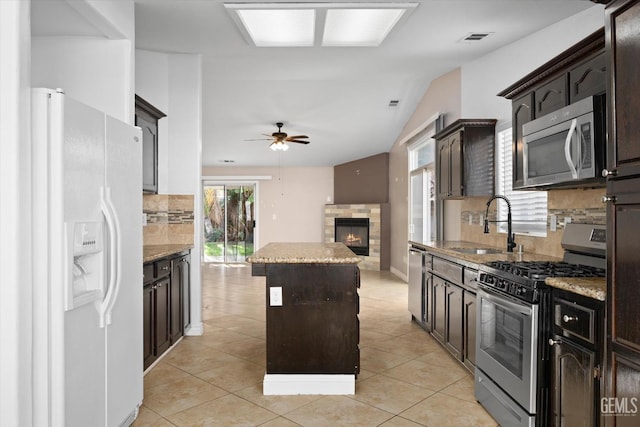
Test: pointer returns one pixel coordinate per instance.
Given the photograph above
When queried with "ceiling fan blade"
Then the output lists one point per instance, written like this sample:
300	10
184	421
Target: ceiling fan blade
260	139
291	138
299	142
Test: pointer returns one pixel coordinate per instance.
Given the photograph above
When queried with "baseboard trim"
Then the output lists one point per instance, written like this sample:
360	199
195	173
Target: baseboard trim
399	274
195	330
293	384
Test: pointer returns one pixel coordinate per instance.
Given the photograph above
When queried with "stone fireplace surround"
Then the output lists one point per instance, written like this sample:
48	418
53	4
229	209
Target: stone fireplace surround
379	231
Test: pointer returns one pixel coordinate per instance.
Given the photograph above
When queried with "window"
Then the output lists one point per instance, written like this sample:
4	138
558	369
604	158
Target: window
528	208
422	204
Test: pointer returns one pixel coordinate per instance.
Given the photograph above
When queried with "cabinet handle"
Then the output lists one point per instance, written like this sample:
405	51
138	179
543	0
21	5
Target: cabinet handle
553	342
165	268
566	318
607	173
606	199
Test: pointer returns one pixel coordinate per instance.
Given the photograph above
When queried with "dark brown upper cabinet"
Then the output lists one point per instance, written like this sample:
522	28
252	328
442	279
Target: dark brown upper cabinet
147	117
575	74
465	159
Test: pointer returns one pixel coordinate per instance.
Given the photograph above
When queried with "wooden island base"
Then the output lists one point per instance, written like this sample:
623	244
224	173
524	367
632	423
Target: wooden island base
312	323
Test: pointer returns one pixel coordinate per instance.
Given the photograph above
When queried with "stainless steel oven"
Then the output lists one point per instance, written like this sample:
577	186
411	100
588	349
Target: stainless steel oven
507	341
514	323
566	146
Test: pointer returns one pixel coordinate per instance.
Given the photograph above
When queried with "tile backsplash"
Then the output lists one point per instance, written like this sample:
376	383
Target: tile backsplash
583	206
169	219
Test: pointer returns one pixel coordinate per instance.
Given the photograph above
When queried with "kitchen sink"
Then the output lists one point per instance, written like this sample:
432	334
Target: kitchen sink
477	251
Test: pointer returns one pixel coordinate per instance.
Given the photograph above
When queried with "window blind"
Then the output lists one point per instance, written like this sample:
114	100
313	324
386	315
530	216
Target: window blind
528	208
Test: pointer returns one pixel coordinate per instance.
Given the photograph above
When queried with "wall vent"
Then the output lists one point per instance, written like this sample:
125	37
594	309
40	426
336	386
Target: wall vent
393	103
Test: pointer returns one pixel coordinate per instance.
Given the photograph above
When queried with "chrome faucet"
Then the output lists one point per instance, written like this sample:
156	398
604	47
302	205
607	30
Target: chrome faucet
511	238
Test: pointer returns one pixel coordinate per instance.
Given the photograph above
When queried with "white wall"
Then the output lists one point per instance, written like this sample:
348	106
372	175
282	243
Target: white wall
173	84
483	78
290	204
94	70
474	95
16	252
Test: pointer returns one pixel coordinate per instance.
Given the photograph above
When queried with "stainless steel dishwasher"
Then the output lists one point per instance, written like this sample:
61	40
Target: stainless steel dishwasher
416	283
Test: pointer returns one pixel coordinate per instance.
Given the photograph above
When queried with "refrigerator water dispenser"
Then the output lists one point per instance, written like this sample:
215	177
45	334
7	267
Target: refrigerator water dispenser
85	275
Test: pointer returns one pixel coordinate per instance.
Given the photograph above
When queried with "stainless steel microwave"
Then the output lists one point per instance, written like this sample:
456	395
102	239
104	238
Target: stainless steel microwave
566	147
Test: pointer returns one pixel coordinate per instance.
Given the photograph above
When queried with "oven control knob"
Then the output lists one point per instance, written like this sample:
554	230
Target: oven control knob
520	291
553	342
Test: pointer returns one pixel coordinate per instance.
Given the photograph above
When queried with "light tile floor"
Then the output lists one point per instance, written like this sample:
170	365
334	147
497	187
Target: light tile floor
406	378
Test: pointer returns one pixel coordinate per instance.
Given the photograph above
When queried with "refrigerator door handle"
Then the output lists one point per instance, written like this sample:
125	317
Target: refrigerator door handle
113	226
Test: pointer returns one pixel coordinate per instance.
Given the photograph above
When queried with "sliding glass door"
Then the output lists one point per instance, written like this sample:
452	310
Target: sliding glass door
229	222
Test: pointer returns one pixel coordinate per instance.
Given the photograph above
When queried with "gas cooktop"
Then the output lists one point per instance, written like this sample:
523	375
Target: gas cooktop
537	270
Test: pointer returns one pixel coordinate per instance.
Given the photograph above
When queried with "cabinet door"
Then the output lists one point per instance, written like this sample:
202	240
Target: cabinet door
623	296
176	300
444	168
146	117
428	300
574	384
454	320
522	113
469	316
162	313
439	308
147	326
186	291
588	79
456	171
551	96
622	22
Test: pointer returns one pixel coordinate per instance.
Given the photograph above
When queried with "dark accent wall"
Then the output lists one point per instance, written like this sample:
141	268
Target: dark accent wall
362	181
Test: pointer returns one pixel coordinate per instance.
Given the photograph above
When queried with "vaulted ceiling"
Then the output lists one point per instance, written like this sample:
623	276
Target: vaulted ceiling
338	96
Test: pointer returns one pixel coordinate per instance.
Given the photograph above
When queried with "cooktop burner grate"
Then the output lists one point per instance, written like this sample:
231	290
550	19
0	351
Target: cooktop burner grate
540	270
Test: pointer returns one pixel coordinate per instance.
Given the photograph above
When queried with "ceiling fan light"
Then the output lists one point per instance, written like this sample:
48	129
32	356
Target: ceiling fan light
284	147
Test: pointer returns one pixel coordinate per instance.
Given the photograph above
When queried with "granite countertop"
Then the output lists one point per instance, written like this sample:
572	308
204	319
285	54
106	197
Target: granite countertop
448	248
304	253
592	287
154	252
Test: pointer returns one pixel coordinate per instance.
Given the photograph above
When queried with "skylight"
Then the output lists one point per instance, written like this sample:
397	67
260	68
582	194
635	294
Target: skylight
338	24
279	27
359	27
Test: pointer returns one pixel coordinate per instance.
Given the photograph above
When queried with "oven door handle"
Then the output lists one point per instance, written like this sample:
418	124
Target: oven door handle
567	149
505	302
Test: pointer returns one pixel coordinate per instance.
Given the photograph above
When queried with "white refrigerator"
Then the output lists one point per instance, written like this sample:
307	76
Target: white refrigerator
87	189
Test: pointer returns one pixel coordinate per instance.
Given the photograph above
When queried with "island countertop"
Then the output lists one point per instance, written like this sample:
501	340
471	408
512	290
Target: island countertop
304	253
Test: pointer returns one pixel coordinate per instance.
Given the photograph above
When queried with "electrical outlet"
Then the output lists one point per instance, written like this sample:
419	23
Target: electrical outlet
144	219
567	220
470	219
553	222
275	296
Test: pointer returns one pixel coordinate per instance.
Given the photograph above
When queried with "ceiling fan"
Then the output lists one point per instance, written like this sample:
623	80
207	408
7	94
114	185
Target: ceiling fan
280	138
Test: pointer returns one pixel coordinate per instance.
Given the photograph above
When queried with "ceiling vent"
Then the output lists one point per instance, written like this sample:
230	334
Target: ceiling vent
393	103
474	37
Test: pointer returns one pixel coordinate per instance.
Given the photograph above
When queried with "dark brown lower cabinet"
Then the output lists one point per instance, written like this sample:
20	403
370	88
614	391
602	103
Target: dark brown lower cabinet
469	329
156	327
454	327
314	330
576	360
166	312
439	301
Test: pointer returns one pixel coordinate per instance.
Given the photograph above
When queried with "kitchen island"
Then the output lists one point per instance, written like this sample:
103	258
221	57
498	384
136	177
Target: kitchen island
312	317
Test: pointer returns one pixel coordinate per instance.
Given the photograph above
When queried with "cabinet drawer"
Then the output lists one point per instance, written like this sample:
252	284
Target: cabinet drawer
162	268
147	273
470	277
447	270
575	320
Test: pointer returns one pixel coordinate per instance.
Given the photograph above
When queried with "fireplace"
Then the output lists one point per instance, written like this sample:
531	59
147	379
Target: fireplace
353	232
